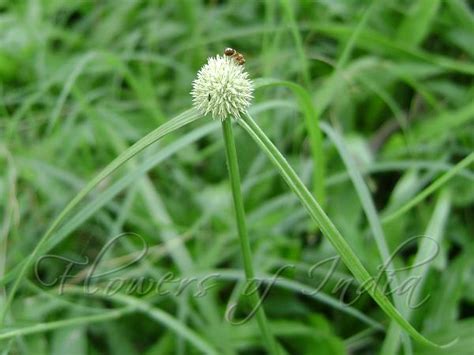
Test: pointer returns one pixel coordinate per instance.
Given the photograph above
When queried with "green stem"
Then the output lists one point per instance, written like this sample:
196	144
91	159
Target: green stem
234	177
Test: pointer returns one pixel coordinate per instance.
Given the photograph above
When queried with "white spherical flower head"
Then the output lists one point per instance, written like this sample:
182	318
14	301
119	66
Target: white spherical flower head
222	88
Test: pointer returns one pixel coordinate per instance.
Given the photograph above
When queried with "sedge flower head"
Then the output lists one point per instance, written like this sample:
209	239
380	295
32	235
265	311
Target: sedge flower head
222	88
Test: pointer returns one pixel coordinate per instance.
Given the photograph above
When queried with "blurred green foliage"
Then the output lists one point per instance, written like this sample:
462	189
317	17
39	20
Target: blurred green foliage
80	81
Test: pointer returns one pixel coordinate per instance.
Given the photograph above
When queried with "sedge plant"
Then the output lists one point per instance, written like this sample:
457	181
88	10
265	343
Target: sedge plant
223	90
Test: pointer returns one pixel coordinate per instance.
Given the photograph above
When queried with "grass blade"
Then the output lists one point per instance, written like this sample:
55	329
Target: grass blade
170	126
154	313
426	249
329	229
45	327
417	22
307	291
287	8
430	188
311	117
370	212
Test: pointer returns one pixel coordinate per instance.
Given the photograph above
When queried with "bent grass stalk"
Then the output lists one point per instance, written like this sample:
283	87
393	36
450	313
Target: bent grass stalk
234	177
350	259
311	119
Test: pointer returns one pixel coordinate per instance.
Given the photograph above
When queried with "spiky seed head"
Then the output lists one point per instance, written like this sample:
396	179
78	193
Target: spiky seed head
222	88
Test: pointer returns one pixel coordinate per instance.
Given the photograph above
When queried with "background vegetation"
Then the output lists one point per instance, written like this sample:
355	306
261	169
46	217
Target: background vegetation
391	82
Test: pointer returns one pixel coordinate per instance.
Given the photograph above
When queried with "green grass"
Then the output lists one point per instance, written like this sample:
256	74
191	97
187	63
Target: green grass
359	150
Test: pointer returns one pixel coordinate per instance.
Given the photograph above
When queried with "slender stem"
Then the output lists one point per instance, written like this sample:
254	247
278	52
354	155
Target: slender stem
234	177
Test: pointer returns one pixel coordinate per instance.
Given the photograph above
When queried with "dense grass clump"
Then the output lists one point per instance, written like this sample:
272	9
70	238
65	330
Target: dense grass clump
351	177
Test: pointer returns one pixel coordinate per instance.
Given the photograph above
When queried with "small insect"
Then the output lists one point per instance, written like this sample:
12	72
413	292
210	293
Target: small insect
208	97
231	52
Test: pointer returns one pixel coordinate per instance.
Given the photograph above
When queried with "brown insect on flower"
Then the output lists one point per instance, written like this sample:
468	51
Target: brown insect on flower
238	57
